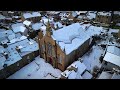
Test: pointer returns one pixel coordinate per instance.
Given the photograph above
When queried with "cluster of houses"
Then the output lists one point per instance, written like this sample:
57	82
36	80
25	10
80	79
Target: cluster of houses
60	37
110	60
76	70
111	64
17	48
110	68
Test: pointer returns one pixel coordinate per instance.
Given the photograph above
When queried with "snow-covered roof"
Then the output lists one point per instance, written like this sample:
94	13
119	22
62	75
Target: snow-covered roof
4	41
59	25
87	75
69	47
81	66
53	12
2	17
27	15
12	36
30	15
25	45
112	58
91	59
66	73
64	15
113	50
37	69
43	27
80	17
22	73
19	27
2	49
91	15
67	33
10	12
13	57
8	18
19	21
36	14
26	22
45	20
6	36
15	16
104	13
63	18
5	33
72	75
113	31
37	26
74	14
2	30
118	24
78	12
2	60
92	30
18	37
117	12
32	46
74	35
105	75
116	76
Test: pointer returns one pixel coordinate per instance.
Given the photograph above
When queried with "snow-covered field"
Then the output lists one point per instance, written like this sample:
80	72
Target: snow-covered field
91	58
38	69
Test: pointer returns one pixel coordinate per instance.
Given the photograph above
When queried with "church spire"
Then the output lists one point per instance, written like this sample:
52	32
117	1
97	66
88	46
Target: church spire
48	29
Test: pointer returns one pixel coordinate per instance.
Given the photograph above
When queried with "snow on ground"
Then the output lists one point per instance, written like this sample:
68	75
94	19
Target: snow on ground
38	69
91	59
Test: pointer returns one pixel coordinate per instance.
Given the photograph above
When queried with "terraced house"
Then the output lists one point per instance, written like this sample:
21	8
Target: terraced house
15	52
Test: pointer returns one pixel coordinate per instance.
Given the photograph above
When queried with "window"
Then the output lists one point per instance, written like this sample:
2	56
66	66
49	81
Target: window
28	57
53	52
49	51
43	48
60	59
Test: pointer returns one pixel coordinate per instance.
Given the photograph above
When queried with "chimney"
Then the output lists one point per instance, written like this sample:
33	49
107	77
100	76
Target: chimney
5	45
5	54
18	49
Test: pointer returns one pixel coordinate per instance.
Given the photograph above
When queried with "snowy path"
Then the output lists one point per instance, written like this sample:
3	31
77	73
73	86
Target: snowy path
38	69
91	59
